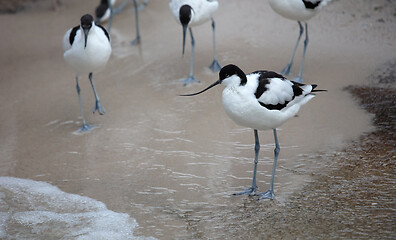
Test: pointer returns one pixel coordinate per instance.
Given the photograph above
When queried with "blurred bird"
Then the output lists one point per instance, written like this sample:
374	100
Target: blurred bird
87	49
261	100
190	13
300	11
105	11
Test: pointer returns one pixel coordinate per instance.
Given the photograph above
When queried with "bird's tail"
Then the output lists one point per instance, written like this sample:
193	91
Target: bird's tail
323	3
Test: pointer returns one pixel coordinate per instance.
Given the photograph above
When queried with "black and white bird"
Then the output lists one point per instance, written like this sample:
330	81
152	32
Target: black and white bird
87	49
105	11
300	11
261	100
190	13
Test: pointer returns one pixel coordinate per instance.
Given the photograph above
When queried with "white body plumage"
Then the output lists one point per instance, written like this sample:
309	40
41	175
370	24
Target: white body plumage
261	100
244	108
296	9
202	10
86	59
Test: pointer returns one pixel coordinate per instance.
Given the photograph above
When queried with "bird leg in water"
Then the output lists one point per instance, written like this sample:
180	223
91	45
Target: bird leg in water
137	39
270	193
98	106
191	78
111	15
215	66
299	78
85	127
253	188
123	5
287	69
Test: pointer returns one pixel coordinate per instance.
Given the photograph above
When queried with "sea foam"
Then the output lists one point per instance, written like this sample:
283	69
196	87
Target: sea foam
38	210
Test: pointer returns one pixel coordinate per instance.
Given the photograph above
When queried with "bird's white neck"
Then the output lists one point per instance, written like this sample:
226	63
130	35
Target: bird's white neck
232	81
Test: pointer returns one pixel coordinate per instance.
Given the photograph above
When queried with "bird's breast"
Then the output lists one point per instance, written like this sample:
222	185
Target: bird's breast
245	110
90	58
235	103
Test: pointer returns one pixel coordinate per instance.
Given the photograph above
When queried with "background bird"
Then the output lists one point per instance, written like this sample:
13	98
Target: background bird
261	100
87	49
105	11
190	13
300	11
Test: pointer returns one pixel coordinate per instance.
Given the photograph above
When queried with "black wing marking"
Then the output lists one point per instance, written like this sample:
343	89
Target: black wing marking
297	90
264	79
100	11
73	34
105	31
311	5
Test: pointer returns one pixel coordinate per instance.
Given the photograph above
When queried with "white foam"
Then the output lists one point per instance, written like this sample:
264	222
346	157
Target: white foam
38	210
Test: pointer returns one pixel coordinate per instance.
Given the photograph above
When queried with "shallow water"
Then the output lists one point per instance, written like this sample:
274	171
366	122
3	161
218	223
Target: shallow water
170	162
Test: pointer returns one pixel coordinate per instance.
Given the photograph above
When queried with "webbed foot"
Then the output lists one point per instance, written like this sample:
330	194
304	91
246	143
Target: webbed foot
189	80
266	195
215	66
249	191
98	107
85	128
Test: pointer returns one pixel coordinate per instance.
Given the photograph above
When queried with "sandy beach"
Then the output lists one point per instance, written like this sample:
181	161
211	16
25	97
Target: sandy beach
172	163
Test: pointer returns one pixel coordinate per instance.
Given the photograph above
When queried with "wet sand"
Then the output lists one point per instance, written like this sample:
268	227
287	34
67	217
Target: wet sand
171	162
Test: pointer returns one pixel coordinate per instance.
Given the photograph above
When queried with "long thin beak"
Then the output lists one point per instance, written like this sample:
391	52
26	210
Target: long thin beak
86	37
184	36
193	94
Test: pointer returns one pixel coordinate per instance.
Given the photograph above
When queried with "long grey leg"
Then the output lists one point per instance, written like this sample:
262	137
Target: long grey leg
192	54
121	7
143	5
215	66
299	78
191	78
137	39
111	15
253	188
288	67
85	126
270	193
98	105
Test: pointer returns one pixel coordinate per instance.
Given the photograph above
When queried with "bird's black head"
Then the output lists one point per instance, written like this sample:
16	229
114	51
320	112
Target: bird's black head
185	14
230	70
86	21
185	18
225	73
86	24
